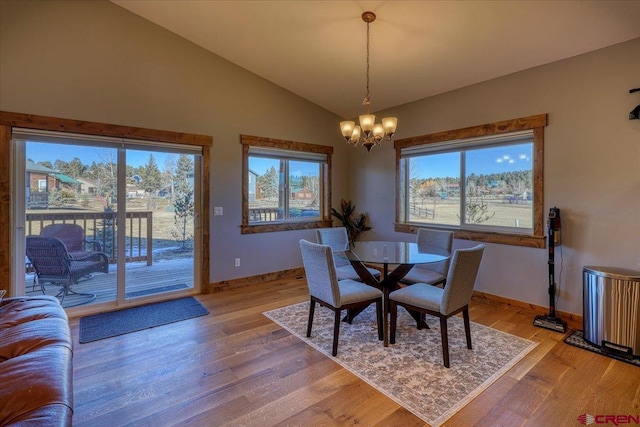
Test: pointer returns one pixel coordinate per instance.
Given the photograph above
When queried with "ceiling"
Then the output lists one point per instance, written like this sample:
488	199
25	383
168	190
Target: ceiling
317	49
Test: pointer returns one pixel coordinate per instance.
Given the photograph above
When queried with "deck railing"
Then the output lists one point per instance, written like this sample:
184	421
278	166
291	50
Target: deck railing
101	227
264	214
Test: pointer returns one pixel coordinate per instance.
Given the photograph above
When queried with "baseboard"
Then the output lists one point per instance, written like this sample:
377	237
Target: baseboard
574	321
252	280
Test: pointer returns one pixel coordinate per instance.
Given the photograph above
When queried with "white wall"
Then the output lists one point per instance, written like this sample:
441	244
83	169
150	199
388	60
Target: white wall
592	167
95	61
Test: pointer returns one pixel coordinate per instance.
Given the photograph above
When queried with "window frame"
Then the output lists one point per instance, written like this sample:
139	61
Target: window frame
536	124
325	220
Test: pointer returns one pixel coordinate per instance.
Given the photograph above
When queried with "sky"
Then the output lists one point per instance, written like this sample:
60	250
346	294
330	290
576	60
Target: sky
39	152
479	161
296	168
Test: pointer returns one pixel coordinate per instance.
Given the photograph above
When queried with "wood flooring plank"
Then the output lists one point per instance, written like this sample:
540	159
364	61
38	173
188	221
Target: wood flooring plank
236	367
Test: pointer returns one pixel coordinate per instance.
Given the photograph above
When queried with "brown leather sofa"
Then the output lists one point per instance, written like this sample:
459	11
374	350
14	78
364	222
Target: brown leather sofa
36	366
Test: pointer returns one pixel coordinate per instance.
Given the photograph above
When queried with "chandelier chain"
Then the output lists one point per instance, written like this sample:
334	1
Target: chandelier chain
367	99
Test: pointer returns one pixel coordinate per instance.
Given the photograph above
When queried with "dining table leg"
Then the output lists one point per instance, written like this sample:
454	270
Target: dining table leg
388	284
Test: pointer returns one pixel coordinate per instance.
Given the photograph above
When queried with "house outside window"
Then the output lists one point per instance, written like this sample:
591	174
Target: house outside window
484	183
286	185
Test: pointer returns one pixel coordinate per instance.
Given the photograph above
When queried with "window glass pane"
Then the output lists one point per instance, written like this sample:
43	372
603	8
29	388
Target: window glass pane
304	185
266	185
499	186
434	189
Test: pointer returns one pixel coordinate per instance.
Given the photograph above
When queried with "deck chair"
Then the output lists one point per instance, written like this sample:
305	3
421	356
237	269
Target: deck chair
73	237
53	264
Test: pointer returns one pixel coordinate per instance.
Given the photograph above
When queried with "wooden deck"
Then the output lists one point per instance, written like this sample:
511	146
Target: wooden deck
141	279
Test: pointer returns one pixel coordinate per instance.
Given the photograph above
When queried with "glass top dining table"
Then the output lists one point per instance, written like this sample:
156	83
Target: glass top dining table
402	255
382	252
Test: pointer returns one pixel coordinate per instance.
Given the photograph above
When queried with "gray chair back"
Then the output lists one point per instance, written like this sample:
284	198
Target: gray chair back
320	271
337	239
461	279
436	242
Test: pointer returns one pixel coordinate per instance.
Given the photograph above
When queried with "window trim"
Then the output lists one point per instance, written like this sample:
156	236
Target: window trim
325	221
535	123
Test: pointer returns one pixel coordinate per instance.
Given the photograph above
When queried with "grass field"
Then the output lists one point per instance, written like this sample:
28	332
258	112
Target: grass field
447	211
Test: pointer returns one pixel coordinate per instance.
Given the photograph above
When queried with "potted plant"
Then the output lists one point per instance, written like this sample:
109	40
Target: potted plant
355	224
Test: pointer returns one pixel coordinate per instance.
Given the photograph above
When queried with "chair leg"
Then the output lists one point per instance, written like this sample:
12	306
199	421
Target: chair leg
379	319
422	319
393	310
336	332
312	307
467	328
445	340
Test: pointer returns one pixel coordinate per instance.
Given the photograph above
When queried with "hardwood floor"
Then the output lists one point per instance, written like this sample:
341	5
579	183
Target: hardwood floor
235	367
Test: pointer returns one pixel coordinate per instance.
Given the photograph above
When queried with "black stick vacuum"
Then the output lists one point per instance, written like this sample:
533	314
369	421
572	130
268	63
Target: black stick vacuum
551	321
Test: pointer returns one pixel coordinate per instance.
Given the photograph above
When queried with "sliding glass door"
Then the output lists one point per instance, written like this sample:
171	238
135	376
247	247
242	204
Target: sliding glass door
125	211
160	230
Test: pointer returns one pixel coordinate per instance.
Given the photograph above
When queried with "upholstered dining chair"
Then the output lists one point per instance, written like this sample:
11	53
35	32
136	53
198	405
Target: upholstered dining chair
439	302
433	241
328	291
338	239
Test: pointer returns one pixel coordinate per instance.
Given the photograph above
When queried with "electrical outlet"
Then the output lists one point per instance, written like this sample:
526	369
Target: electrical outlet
237	262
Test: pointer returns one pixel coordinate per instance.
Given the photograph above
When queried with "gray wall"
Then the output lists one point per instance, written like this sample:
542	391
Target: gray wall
592	167
95	61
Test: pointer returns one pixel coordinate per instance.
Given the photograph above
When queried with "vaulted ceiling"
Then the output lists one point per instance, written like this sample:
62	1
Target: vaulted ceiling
317	49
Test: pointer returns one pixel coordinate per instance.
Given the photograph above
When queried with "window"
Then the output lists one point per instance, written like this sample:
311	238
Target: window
483	182
286	185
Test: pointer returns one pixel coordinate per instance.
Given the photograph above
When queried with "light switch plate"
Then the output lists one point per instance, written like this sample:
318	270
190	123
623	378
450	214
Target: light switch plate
217	211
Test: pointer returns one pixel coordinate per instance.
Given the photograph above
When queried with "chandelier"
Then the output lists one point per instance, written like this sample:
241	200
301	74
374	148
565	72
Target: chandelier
369	133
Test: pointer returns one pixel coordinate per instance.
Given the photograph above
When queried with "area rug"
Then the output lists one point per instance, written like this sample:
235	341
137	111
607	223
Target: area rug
576	339
106	325
411	372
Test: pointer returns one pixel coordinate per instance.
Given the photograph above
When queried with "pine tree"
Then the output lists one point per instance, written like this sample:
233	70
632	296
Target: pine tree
184	201
269	185
151	179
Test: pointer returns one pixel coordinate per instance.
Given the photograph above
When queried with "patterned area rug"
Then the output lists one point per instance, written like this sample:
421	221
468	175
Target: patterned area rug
411	372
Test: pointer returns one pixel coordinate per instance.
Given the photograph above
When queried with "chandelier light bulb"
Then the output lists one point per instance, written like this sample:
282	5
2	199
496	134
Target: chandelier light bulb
389	124
347	129
378	132
366	123
355	136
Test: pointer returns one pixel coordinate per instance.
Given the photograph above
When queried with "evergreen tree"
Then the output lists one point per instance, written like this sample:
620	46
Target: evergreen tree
151	180
184	201
269	184
45	163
